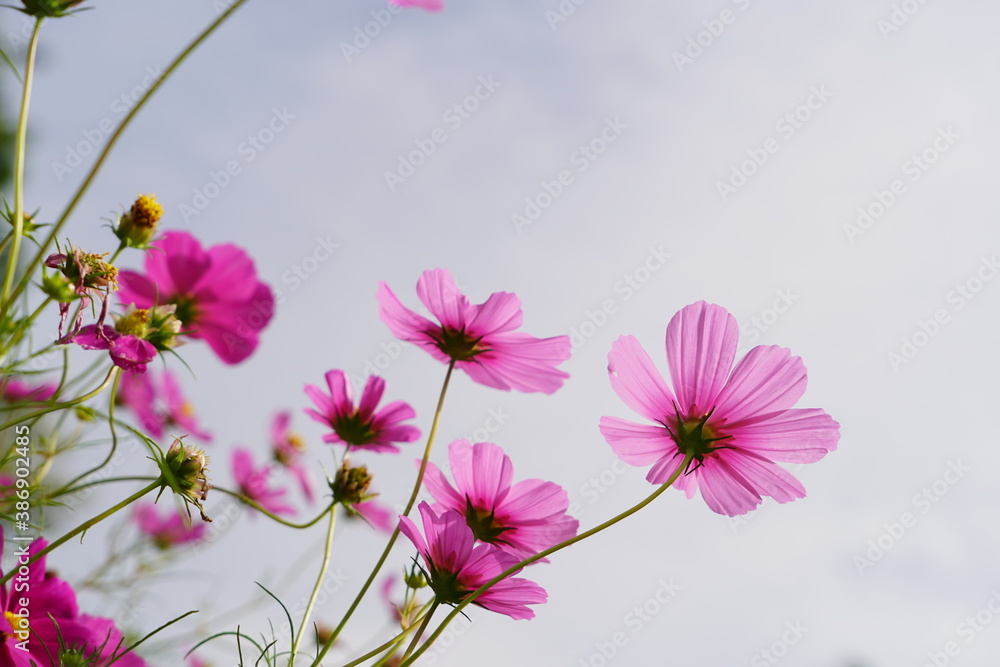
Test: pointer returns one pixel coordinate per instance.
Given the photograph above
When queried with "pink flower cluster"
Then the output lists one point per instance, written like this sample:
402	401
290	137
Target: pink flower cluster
48	629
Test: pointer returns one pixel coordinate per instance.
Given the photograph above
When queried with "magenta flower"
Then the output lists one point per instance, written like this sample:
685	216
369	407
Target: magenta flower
361	427
736	424
456	566
13	390
288	448
166	531
129	353
522	518
159	410
375	513
216	292
479	338
253	483
50	631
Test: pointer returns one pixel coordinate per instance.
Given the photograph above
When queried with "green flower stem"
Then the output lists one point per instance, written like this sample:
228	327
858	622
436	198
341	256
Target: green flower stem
471	597
60	406
86	525
113	139
6	298
114	432
319	584
242	498
395	641
395	532
420	632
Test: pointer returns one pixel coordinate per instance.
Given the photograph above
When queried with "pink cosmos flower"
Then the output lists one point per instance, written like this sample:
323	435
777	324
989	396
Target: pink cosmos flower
13	390
456	566
166	531
375	513
288	448
253	483
361	427
522	518
129	353
479	338
216	291
52	624
429	5
159	410
735	423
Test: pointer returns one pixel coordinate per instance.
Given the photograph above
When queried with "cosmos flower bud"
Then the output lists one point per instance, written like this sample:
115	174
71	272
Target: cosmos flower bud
53	8
189	467
350	486
137	225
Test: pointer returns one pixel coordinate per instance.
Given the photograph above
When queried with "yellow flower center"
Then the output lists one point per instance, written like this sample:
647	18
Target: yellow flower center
19	624
146	211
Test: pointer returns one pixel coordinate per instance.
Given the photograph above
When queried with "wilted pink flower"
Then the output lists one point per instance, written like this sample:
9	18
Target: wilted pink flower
288	448
50	630
361	427
456	565
159	410
166	531
129	353
522	518
13	390
253	483
479	338
735	424
429	5
216	292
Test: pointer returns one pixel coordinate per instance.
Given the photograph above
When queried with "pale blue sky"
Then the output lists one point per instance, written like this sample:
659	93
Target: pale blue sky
862	102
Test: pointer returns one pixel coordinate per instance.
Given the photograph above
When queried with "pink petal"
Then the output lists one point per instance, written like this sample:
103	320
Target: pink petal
403	322
437	290
429	5
501	312
176	263
725	490
701	345
766	477
767	379
370	396
88	338
140	290
441	490
481	471
801	435
522	362
341	393
230	275
637	444
636	380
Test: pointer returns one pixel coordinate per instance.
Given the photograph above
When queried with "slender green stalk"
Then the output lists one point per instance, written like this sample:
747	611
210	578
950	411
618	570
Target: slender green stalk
113	139
420	631
114	432
60	406
319	584
19	156
86	525
395	641
242	498
395	532
471	597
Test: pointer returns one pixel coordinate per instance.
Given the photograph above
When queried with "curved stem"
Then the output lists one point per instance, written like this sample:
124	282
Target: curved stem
113	139
319	584
395	641
86	525
420	631
19	156
60	406
252	503
114	432
395	532
471	597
